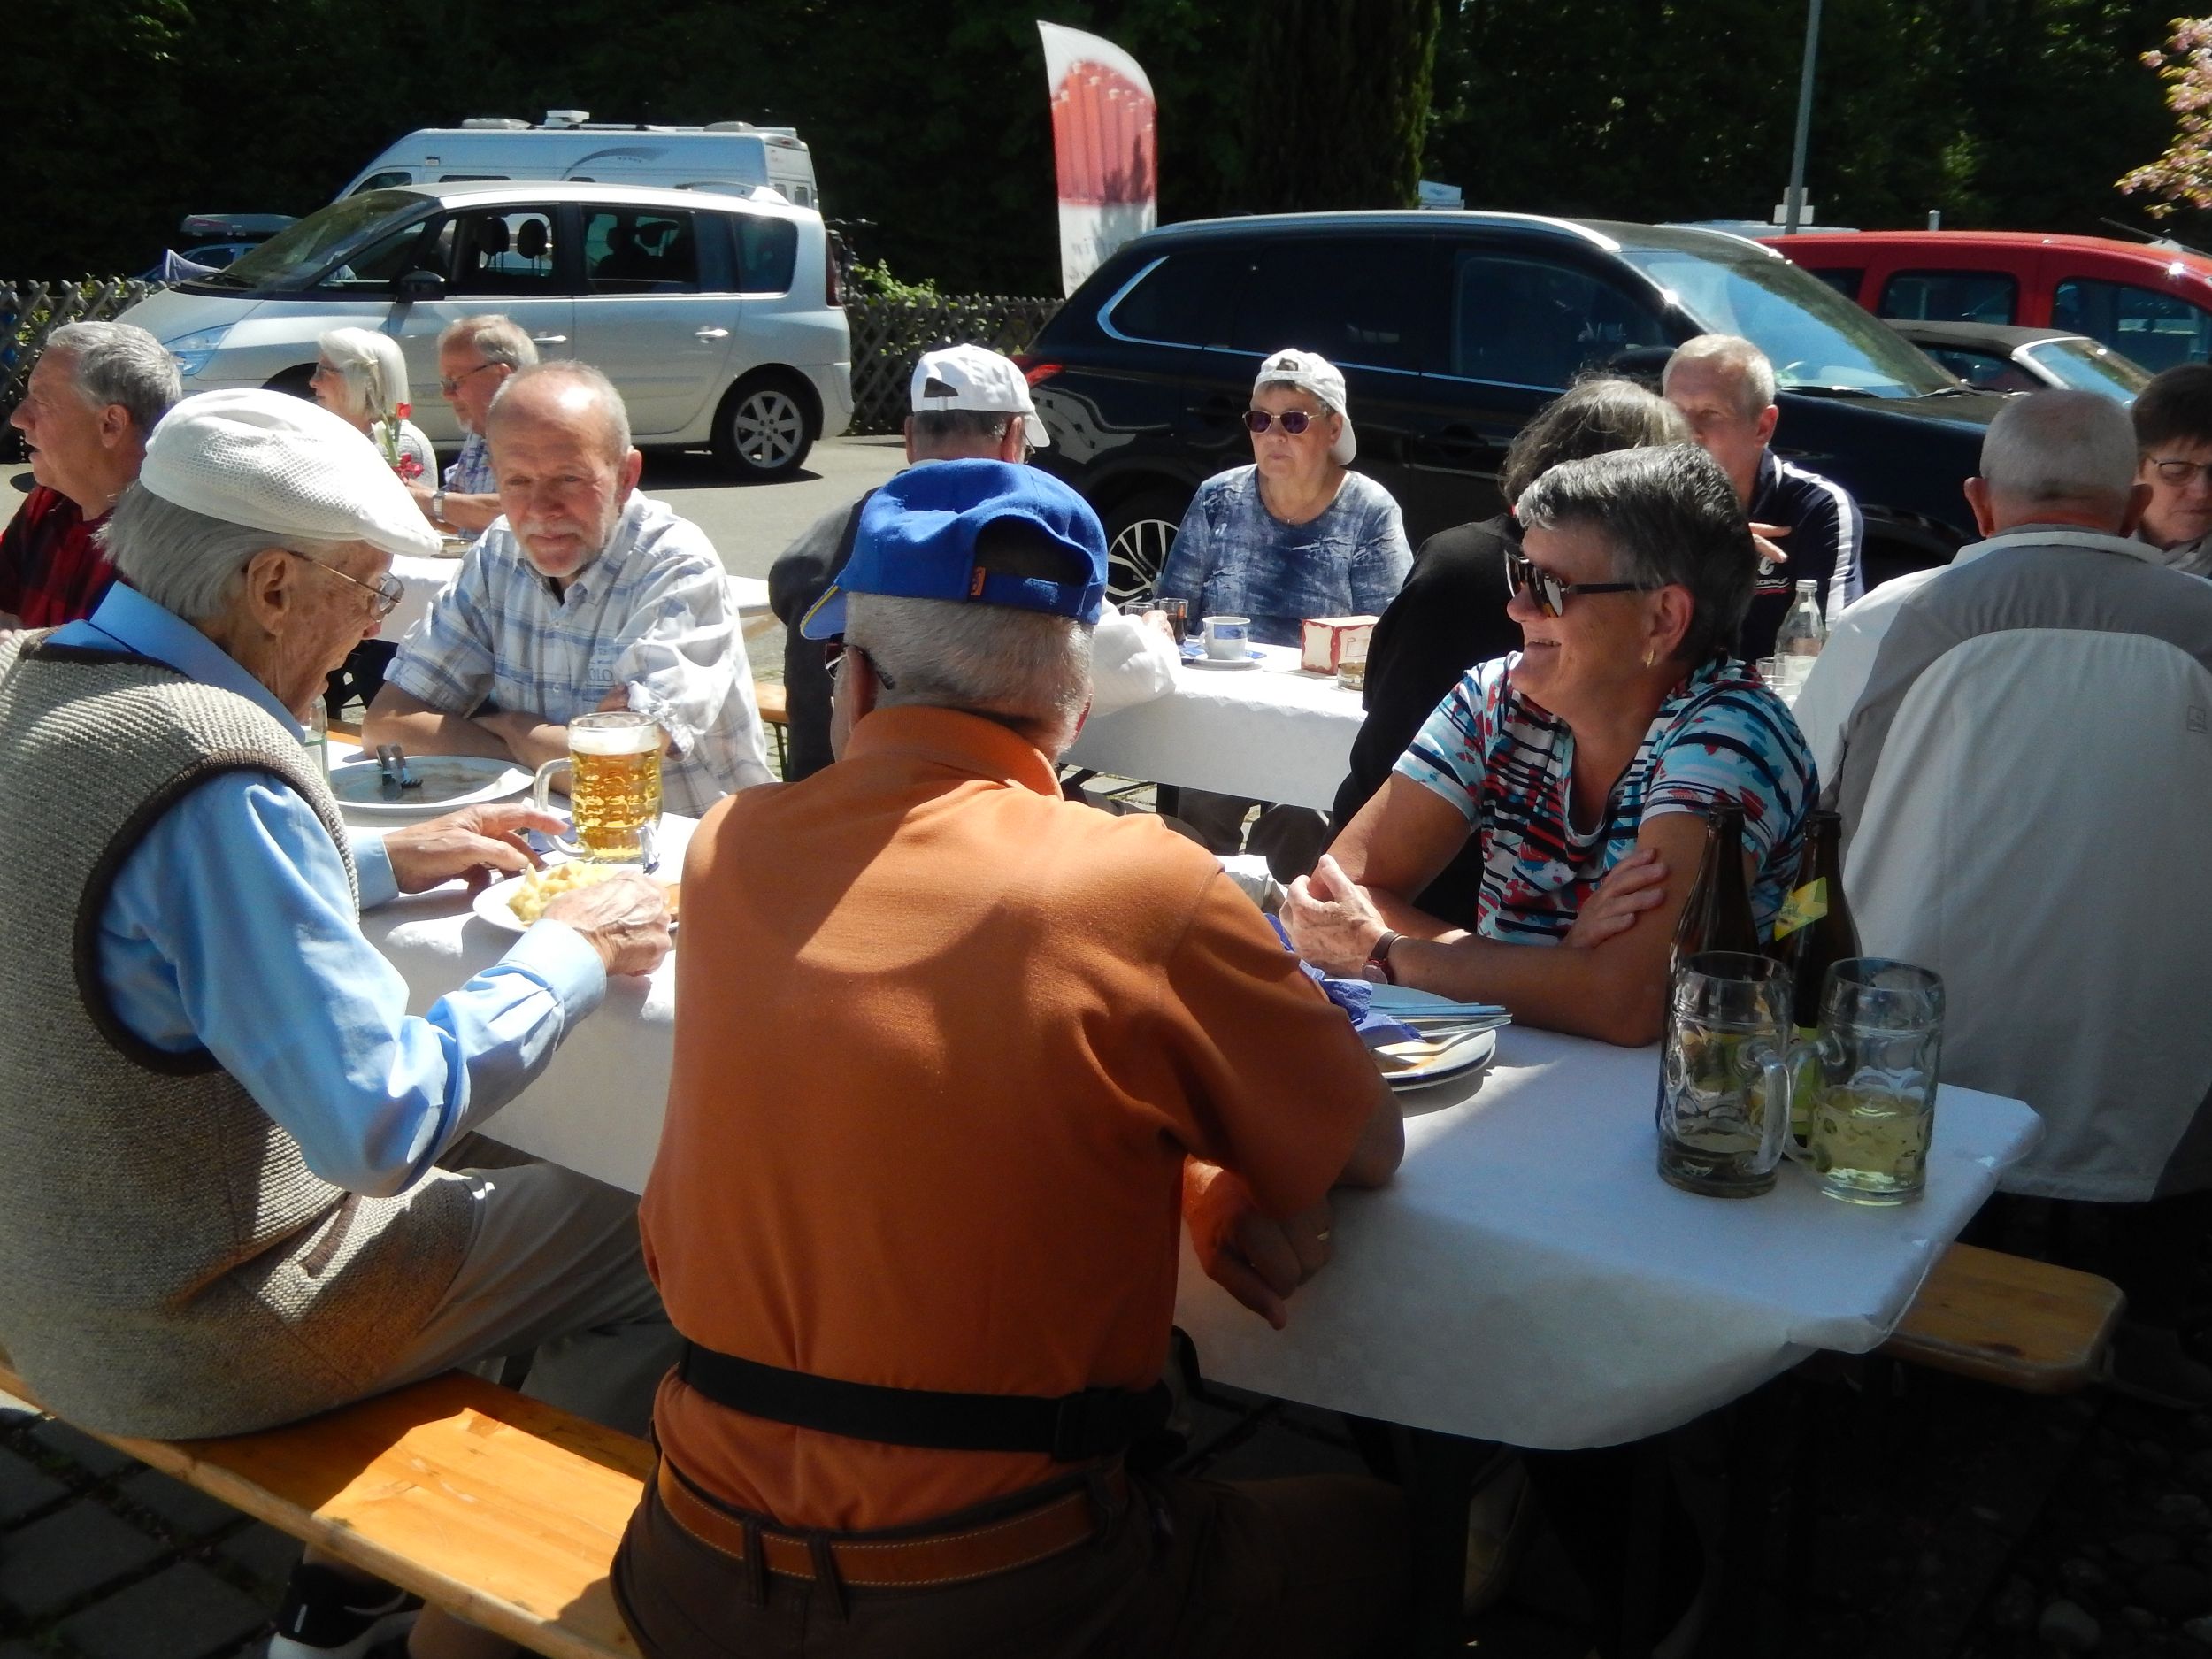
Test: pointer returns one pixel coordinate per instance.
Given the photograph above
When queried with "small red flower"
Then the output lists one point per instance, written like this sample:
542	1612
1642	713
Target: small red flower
406	410
409	467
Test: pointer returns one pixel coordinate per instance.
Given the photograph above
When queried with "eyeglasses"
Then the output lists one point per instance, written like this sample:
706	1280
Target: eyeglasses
450	384
1549	593
2179	472
1294	420
834	658
385	594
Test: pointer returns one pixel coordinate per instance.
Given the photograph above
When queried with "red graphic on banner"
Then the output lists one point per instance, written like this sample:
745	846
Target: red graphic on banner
1102	137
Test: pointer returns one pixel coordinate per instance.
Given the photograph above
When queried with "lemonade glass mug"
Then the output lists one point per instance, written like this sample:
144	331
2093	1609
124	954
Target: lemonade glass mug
1873	1111
1724	1106
614	792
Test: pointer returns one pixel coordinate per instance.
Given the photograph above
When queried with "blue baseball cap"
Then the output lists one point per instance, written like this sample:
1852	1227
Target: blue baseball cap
918	536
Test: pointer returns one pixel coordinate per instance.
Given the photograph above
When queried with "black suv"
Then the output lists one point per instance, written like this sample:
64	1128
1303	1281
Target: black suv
1452	329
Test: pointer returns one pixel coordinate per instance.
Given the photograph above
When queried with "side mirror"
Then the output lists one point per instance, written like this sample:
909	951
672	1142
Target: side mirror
420	285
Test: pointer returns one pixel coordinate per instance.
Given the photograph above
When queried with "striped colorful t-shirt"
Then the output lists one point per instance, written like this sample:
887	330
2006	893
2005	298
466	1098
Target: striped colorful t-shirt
1505	761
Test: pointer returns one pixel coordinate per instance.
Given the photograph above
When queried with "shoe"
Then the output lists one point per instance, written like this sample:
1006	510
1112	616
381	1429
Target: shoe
1498	1530
328	1616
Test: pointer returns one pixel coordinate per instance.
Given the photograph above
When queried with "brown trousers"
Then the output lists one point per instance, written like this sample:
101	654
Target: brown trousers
1211	1570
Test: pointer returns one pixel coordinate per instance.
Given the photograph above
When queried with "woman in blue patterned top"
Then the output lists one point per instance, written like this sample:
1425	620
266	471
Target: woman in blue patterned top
1583	763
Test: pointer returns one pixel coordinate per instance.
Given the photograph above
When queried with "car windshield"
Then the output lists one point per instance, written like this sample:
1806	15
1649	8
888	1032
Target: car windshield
294	257
1817	340
2087	366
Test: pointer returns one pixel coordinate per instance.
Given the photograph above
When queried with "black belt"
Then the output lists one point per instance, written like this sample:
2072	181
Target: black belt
1074	1428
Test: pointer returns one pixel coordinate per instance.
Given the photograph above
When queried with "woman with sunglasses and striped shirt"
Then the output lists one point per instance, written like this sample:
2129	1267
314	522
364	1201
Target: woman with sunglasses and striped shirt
1582	765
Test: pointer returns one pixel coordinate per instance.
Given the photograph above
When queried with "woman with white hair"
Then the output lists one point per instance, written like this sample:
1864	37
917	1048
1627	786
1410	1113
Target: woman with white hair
361	378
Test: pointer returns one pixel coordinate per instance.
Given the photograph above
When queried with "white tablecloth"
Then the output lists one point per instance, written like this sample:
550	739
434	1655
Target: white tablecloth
1274	732
1528	1277
425	579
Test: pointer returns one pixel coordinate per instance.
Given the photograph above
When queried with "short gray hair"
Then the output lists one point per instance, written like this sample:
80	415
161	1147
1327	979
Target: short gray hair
1755	375
583	374
961	426
1021	668
494	338
372	367
1594	417
1671	518
187	562
2061	445
121	363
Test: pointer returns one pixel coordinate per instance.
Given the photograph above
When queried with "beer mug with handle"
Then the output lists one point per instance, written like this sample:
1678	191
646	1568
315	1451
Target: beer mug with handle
1725	1074
614	792
1872	1113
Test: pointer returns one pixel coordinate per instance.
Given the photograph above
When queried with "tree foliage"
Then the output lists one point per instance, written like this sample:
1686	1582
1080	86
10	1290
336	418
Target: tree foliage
1337	103
2183	174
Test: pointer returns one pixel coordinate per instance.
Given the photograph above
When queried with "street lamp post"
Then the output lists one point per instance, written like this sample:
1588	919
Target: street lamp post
1794	204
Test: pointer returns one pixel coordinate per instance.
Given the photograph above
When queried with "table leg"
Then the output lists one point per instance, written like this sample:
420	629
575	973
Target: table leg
1440	1476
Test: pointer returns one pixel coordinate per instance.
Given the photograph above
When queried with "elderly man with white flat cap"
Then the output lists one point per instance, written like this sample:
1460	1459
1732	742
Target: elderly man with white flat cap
221	1205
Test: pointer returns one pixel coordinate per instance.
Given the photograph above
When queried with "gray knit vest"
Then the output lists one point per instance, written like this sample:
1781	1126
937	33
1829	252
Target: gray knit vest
169	1265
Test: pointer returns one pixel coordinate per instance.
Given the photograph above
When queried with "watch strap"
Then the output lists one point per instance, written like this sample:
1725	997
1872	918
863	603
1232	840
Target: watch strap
1379	955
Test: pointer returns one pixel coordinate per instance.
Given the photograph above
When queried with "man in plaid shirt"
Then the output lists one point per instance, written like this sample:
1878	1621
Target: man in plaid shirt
584	595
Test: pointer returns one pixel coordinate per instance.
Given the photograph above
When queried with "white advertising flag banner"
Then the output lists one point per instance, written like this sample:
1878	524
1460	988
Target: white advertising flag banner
1104	139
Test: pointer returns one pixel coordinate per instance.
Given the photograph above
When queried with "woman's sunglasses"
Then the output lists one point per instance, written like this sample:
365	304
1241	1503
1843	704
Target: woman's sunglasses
1294	420
1549	593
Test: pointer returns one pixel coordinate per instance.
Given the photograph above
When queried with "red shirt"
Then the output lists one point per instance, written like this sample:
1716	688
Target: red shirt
51	569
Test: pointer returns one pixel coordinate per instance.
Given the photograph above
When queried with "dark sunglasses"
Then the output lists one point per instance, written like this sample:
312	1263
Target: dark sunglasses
1294	420
834	658
1549	593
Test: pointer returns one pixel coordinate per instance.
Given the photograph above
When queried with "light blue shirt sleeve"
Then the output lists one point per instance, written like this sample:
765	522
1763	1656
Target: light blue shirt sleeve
231	928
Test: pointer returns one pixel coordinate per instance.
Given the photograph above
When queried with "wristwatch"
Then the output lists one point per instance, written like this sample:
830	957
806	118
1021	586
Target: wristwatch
437	504
1377	966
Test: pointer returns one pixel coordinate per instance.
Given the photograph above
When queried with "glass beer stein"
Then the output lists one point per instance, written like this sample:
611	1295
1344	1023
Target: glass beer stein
1873	1110
614	792
1725	1074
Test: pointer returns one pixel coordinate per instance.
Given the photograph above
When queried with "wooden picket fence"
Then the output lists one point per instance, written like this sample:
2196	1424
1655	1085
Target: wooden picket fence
29	312
889	335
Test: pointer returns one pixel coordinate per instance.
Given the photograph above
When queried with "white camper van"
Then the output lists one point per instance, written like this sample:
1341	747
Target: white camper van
733	157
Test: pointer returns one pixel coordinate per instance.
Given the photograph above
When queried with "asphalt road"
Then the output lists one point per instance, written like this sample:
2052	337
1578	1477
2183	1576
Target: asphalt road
751	523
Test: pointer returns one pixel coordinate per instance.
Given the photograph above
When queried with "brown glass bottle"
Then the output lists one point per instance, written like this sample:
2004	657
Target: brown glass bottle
1717	916
1814	930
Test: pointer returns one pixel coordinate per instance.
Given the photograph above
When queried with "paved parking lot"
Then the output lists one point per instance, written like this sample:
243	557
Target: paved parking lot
752	523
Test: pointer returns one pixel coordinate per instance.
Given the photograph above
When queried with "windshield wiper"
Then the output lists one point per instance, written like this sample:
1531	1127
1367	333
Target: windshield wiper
1832	391
223	279
1955	391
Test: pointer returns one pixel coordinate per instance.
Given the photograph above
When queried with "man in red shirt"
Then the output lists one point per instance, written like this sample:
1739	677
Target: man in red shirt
94	396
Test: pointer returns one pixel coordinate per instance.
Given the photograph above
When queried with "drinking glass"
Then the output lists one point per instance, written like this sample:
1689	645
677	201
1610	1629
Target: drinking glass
1881	1038
1178	614
1351	660
614	794
1724	1106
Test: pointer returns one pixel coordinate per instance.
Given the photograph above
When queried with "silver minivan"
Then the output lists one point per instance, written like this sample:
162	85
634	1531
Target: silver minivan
719	319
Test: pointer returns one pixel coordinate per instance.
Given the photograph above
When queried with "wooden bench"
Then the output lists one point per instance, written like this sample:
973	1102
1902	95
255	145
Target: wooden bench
775	710
2011	1321
498	1508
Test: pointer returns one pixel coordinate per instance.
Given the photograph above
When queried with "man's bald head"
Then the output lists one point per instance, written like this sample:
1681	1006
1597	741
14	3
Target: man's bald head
2058	457
572	396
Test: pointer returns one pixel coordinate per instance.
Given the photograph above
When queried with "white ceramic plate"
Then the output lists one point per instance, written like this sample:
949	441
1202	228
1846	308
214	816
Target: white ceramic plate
449	782
1412	1065
492	902
1253	661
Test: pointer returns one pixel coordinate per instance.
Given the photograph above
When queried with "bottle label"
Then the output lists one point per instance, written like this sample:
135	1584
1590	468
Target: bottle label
1802	908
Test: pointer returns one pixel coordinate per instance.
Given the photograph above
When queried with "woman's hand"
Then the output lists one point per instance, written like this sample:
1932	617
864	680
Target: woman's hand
1637	883
1332	922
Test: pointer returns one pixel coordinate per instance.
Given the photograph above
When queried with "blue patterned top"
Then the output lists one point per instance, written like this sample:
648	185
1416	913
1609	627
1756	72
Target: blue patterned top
1720	737
1234	558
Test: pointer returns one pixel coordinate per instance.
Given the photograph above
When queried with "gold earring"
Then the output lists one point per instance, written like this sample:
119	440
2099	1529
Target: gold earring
1651	660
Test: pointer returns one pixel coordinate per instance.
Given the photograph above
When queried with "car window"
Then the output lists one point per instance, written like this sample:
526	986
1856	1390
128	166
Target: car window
2087	366
375	268
1951	297
382	181
2157	330
642	251
1983	371
503	253
1844	279
299	254
1525	321
1181	300
767	253
1360	303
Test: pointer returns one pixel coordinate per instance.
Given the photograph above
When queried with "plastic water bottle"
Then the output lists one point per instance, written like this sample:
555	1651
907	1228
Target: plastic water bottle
1798	640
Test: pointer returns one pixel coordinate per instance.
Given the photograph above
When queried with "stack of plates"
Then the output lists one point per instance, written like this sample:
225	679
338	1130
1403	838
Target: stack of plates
1456	1038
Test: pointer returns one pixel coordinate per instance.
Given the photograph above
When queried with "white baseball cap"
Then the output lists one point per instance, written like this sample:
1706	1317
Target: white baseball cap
1311	372
278	462
970	377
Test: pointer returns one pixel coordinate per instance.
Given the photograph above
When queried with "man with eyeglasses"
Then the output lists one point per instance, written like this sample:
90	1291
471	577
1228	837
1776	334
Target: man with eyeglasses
2173	439
475	357
222	1206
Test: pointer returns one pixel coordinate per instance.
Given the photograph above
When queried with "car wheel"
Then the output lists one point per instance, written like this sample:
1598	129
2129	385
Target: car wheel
294	382
1139	533
764	428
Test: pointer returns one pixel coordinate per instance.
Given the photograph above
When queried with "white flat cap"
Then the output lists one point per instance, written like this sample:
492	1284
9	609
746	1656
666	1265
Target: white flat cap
278	462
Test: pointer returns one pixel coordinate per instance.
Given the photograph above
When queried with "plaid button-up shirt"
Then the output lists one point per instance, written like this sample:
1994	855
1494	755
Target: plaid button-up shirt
471	473
652	613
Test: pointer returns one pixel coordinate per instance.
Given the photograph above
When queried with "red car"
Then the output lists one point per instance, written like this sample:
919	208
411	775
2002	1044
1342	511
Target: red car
2148	302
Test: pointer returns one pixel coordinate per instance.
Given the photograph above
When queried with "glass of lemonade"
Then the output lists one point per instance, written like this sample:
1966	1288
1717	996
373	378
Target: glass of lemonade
1881	1039
614	792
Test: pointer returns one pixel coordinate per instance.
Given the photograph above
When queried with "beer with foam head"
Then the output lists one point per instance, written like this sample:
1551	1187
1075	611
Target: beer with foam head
614	792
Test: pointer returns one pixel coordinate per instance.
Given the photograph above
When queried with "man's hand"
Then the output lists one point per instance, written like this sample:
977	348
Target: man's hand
1763	538
1332	922
1254	1258
1156	620
476	842
625	919
1637	883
